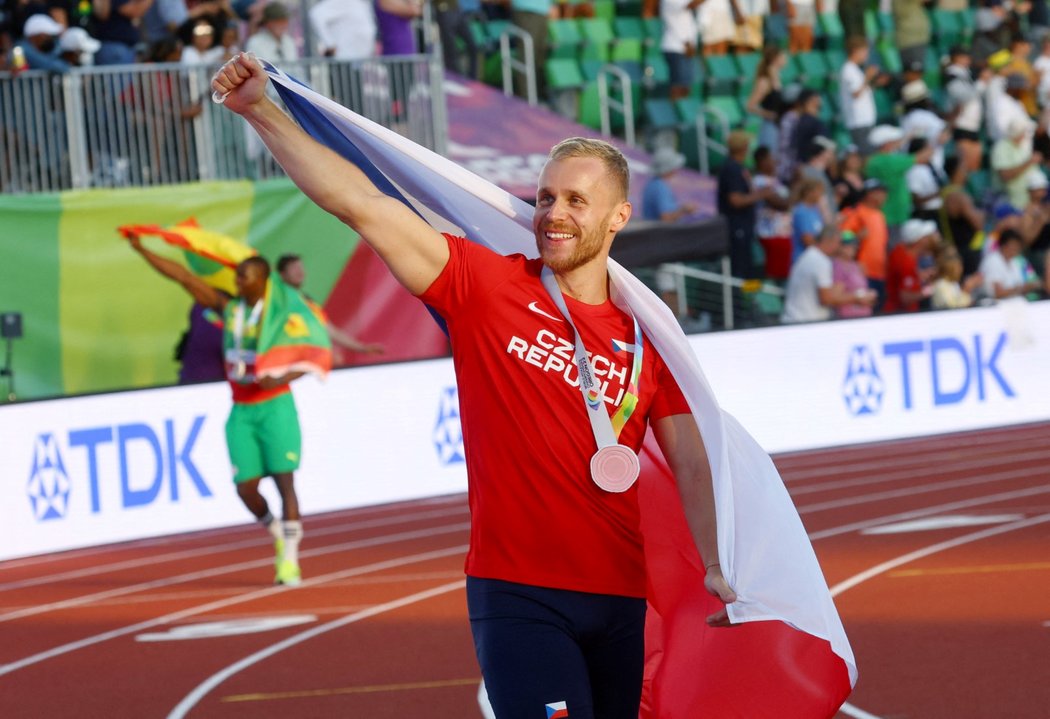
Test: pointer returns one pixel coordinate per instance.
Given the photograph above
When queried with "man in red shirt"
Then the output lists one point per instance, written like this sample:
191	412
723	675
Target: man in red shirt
556	580
905	286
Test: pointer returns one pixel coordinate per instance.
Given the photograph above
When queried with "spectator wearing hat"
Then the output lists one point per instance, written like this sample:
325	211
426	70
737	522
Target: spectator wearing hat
922	120
912	30
39	43
658	199
995	93
811	293
867	221
202	48
925	181
78	48
848	177
965	106
891	168
856	98
906	285
737	201
272	41
849	275
117	27
962	222
1006	271
1012	160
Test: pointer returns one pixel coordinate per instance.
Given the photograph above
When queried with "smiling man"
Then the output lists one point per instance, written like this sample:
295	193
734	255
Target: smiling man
557	385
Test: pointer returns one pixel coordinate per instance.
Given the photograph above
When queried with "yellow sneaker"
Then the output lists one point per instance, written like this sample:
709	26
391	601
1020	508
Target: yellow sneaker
288	574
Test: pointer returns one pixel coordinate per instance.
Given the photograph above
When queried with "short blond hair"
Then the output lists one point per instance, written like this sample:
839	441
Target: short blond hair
610	156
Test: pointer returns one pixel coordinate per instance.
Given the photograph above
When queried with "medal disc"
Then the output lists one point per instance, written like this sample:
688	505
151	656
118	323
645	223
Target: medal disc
615	468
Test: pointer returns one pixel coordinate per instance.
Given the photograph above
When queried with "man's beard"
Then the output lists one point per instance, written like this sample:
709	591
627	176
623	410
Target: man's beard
587	247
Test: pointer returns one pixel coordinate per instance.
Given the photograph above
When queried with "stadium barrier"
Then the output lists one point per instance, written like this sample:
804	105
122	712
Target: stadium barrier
107	468
154	124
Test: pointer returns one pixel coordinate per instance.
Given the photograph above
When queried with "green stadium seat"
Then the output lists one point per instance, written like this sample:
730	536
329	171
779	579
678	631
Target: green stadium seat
949	27
605	9
688	108
626	49
871	25
626	28
831	30
594	51
721	75
657	73
564	37
590	68
654	30
748	64
597	30
884	107
887	27
628	8
835	59
890	59
563	73
590	110
813	69
660	114
727	107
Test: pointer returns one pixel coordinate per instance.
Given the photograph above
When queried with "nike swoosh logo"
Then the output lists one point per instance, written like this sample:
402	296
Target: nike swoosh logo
534	306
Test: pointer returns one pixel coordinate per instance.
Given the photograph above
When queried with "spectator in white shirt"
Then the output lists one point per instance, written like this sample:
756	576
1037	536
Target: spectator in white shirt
344	29
1003	270
811	291
202	49
1013	159
924	183
855	92
920	120
272	41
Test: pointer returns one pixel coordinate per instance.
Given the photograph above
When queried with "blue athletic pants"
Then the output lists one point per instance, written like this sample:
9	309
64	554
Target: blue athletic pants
544	649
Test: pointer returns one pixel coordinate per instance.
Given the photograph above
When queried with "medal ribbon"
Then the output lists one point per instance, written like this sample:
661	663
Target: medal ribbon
606	430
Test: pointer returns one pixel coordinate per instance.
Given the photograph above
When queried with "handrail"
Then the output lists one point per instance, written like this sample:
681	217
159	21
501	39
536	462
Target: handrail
607	102
510	63
703	141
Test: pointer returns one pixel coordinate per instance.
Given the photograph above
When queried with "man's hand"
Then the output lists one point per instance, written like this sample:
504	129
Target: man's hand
242	81
717	586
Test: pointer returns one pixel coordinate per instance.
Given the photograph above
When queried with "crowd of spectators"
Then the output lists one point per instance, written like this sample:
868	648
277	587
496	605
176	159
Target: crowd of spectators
55	35
869	216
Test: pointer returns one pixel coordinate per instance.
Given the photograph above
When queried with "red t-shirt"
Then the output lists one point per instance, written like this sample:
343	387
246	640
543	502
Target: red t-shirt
537	517
902	273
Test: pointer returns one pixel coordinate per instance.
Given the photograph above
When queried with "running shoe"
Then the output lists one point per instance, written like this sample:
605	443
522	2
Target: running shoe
288	574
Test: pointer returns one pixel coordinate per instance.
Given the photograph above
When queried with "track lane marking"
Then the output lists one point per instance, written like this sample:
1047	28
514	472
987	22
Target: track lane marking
222	603
341	691
205	687
194	552
227	569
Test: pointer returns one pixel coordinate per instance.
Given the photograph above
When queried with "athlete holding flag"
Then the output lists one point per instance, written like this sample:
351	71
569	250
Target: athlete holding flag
556	577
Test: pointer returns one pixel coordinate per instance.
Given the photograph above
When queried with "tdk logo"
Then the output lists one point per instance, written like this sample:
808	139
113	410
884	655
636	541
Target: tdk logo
953	369
48	482
159	457
448	434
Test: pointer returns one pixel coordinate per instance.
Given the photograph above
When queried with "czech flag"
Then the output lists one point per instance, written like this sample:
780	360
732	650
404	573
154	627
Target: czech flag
790	657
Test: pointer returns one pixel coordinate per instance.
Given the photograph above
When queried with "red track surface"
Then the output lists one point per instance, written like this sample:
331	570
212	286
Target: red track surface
950	622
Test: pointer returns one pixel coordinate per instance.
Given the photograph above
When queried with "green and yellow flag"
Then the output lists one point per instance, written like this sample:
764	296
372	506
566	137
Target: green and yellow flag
210	255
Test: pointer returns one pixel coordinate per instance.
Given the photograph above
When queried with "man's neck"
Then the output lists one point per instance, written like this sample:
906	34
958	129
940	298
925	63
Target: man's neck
588	284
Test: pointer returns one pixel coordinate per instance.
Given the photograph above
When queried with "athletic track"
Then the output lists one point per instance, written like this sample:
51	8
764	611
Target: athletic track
937	551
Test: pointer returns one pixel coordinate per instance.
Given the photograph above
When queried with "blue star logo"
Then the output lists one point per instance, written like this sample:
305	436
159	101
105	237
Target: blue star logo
448	434
863	387
48	487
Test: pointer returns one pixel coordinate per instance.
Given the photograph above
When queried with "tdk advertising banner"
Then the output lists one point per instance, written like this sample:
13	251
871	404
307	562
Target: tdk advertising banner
115	467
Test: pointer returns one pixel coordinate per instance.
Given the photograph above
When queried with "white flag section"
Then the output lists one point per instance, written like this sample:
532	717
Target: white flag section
764	551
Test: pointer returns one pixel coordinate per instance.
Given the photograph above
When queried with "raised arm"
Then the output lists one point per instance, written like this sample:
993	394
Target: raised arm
684	450
201	291
412	249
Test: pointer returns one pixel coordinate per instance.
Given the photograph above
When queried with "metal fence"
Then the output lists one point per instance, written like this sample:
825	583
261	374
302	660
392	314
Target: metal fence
154	124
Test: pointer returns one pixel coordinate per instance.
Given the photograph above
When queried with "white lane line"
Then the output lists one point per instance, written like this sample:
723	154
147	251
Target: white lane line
934	549
339	517
944	521
227	569
877	474
218	678
936	509
906	466
259	539
221	604
913	491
